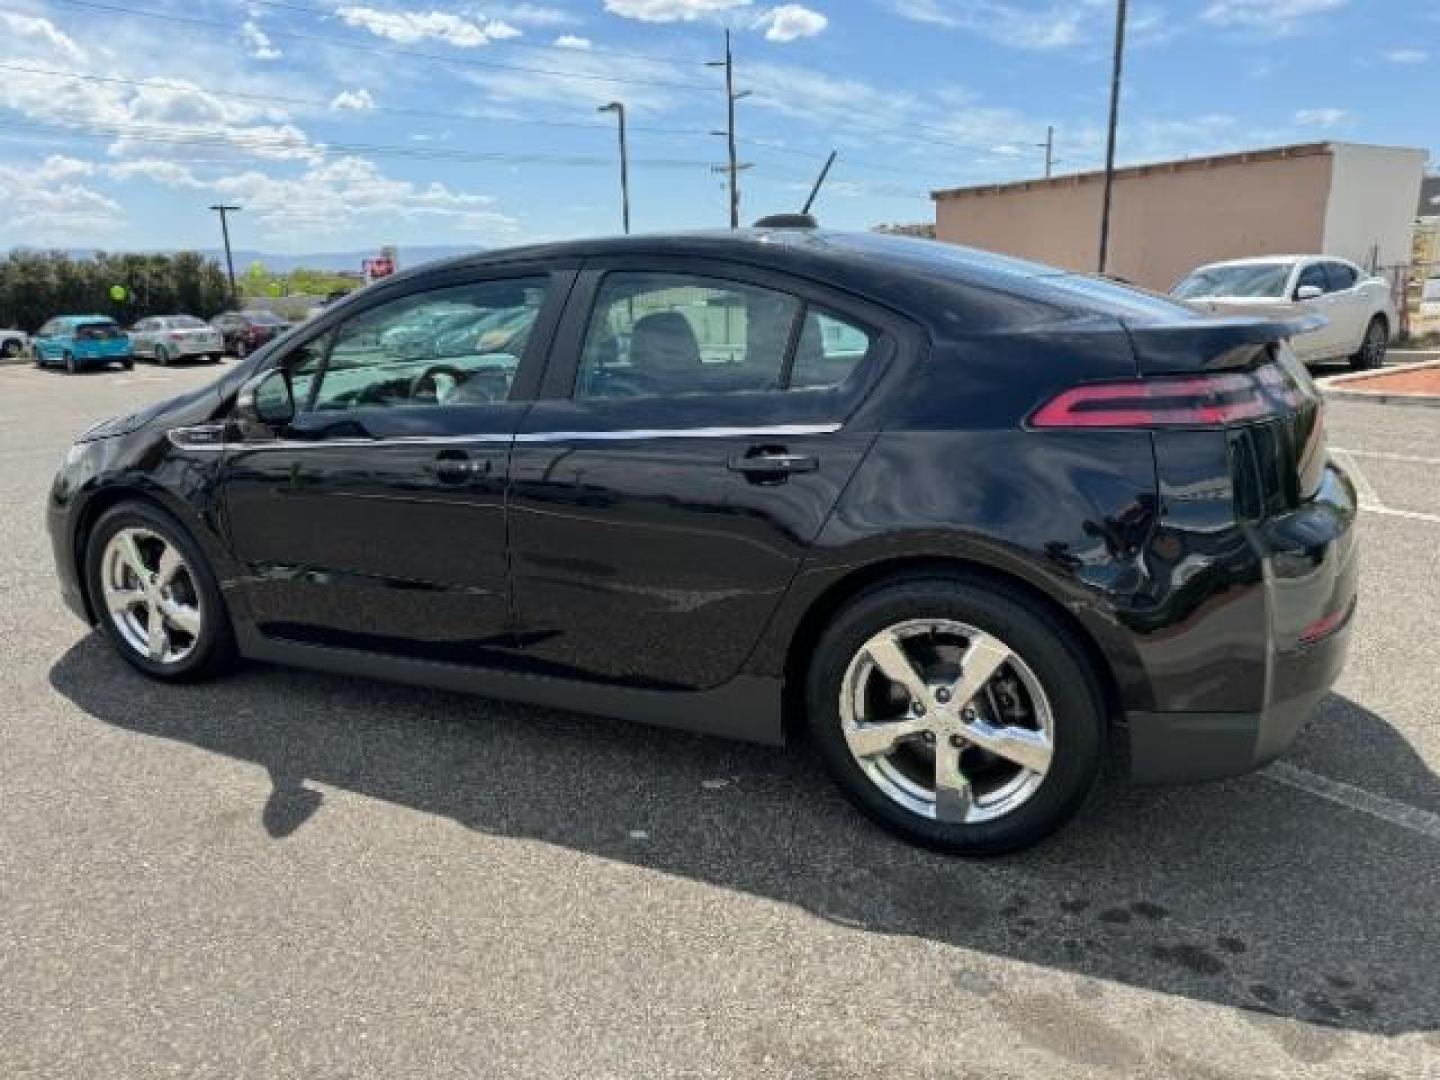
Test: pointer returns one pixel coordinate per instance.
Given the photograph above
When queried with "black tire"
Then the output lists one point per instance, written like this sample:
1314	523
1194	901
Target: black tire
71	367
213	358
11	349
214	650
162	356
128	364
1059	663
1373	346
241	349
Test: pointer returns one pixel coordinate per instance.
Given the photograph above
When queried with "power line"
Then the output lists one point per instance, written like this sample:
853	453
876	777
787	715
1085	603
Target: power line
414	54
396	110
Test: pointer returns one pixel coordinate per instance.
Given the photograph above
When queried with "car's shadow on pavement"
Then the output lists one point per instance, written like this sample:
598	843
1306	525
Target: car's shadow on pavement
1250	893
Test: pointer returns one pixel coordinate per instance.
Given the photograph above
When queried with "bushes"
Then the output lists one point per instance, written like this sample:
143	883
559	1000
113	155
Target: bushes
38	285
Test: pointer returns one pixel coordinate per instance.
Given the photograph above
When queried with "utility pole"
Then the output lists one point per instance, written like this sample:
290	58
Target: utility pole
1120	11
223	210
1049	147
618	108
731	97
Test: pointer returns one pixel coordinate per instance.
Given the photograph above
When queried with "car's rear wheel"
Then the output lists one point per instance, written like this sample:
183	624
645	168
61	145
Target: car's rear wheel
162	356
241	349
1372	348
11	349
155	595
70	365
952	712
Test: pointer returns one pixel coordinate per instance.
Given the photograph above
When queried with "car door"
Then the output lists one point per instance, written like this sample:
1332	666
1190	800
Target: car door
1349	307
1320	343
142	337
376	519
695	428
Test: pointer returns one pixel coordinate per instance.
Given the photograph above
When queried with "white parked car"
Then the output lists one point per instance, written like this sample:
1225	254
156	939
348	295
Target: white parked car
13	343
164	338
1359	310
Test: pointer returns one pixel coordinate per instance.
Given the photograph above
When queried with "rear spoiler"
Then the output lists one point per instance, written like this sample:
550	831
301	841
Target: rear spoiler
1214	344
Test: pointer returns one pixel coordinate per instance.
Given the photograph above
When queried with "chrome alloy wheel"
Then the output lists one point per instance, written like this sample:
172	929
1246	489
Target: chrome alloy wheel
947	721
151	595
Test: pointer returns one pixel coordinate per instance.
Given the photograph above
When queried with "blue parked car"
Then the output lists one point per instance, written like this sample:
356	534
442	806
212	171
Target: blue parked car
81	341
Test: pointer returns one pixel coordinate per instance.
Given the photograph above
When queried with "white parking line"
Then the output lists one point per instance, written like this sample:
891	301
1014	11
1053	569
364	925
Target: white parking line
1408	817
1369	500
1384	456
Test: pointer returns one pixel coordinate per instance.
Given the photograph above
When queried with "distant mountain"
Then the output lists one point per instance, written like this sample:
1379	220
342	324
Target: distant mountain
320	260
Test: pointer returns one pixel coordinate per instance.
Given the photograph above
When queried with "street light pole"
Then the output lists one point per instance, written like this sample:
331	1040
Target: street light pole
1120	11
223	210
618	108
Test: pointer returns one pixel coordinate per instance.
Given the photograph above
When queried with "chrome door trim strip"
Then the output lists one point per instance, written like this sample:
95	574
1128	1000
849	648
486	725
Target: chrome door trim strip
177	437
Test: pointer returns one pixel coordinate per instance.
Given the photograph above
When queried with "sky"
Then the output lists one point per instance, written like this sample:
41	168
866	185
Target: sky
348	124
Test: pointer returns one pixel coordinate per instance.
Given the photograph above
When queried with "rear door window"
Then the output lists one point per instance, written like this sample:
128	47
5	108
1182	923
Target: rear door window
1341	276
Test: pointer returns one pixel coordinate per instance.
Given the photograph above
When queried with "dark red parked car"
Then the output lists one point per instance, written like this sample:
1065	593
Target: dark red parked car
246	331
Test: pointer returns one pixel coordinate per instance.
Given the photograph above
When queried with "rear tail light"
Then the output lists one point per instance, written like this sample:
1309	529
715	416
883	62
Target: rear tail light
1186	401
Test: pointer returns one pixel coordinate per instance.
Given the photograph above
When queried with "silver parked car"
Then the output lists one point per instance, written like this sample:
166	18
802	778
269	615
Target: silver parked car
164	338
1358	310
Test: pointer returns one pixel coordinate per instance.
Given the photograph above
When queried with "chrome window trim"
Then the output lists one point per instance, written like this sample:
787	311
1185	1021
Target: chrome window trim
177	435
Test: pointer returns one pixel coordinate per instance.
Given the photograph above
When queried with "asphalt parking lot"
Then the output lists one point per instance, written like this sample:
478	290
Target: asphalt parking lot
289	874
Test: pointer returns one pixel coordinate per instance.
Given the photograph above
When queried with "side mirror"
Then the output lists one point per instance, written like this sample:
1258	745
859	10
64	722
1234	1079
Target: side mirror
1309	292
266	400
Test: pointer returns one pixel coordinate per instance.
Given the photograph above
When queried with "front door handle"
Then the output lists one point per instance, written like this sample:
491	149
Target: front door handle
456	467
774	463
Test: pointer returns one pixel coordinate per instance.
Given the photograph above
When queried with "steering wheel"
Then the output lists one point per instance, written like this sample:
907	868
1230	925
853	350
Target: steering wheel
425	386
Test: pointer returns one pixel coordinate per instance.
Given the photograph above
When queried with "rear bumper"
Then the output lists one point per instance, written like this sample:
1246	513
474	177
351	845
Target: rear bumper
1172	748
1311	567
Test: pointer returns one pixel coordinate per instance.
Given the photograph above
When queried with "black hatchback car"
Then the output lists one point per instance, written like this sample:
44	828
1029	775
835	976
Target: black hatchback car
971	522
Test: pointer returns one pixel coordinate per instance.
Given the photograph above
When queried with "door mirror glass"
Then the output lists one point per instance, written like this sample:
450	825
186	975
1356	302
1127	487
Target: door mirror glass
267	400
1309	292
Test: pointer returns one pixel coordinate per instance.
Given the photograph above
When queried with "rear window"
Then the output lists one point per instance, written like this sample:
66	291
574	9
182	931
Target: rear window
262	318
97	331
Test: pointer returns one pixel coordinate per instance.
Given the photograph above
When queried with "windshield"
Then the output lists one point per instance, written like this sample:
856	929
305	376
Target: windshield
1247	279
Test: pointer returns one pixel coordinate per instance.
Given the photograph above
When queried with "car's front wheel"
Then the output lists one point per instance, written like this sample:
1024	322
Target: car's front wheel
951	711
71	367
11	349
162	356
155	595
1372	347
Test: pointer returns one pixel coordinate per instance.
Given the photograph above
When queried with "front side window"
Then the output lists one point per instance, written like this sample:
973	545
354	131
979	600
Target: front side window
459	345
1312	275
1342	276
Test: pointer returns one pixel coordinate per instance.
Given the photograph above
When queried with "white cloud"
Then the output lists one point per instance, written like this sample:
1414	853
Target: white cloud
570	41
1405	56
665	11
27	30
789	22
1323	118
43	205
1273	17
524	14
356	100
410	27
257	42
1055	25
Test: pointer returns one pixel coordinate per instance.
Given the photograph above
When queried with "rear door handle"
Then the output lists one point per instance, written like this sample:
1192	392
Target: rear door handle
773	461
455	467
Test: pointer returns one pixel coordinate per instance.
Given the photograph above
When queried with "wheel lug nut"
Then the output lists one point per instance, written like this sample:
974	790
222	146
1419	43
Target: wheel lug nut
929	736
942	696
919	709
957	742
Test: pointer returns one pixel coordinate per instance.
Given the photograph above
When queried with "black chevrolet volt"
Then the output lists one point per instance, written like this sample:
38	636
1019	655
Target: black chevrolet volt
971	523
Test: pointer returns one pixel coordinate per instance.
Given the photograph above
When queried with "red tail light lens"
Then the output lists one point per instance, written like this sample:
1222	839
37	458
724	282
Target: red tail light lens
1189	401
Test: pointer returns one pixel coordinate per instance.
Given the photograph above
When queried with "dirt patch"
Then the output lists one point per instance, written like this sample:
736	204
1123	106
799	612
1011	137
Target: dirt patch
1424	382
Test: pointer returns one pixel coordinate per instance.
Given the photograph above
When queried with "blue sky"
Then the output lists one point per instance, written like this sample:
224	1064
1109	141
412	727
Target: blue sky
344	124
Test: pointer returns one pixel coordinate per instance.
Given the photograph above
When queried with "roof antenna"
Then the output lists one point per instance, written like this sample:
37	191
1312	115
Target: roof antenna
804	219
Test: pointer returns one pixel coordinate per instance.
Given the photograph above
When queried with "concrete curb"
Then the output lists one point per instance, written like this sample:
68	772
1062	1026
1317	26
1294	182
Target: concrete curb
1335	387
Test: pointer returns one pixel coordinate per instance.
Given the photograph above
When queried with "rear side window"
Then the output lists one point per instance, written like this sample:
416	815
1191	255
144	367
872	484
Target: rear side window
671	335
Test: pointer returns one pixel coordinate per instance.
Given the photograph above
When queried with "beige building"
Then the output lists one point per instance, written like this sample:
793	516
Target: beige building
1344	199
